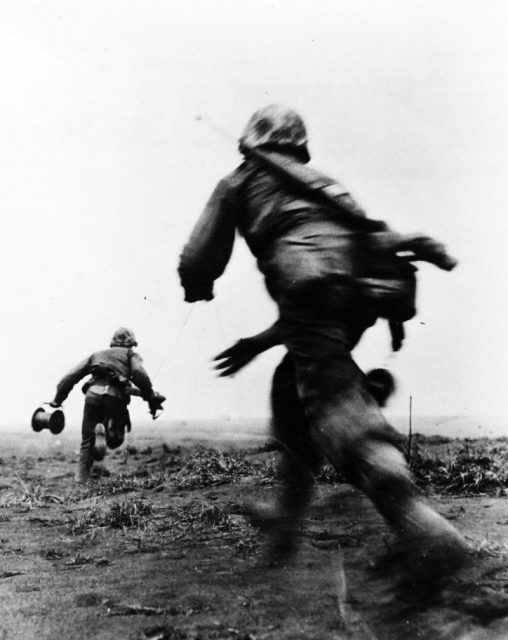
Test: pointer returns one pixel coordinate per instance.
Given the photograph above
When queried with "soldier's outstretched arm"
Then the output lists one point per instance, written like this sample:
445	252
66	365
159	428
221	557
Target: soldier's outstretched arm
66	384
418	245
397	334
245	350
140	377
209	248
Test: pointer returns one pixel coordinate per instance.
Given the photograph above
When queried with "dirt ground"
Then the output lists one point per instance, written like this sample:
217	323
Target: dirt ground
161	549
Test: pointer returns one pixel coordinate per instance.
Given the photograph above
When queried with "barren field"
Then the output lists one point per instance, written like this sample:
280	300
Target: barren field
161	547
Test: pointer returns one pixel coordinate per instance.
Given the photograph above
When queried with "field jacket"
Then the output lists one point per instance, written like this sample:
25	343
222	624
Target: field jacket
305	247
111	370
264	209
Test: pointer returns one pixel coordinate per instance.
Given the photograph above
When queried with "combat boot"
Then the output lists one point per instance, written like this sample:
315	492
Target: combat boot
84	465
99	448
281	530
115	434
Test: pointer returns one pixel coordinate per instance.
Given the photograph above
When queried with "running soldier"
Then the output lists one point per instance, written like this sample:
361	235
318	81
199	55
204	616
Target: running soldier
330	270
113	373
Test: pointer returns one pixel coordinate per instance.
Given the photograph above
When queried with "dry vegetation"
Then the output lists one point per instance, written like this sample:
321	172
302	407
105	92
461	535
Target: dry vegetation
177	517
462	467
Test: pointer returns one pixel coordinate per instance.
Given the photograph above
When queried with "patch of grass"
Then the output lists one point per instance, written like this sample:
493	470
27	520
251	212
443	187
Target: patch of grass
115	484
202	520
125	483
196	517
472	468
488	548
209	467
121	514
29	496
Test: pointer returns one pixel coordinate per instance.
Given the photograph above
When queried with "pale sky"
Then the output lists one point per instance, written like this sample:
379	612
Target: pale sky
105	169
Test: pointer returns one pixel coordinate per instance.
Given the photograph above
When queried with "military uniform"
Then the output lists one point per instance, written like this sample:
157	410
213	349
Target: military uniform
105	414
310	259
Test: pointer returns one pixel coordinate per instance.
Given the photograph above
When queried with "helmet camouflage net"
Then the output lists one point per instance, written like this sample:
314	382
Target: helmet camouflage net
123	337
276	126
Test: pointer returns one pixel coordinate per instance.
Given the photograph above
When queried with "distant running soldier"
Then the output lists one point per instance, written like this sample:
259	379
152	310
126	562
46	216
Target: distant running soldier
113	373
332	272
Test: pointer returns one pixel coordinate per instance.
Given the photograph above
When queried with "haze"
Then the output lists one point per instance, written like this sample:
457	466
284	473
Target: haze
118	118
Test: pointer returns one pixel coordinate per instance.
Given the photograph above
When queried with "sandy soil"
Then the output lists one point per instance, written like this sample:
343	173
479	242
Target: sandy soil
153	551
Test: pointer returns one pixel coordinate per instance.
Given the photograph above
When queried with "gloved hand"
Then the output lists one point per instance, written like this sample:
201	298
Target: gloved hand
380	384
435	252
236	357
55	405
397	334
197	293
155	404
421	247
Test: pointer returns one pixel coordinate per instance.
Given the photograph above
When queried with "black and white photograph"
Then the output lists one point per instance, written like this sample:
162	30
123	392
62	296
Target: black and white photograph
255	324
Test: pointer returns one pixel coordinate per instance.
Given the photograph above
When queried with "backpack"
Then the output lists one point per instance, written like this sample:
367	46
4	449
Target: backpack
388	286
104	371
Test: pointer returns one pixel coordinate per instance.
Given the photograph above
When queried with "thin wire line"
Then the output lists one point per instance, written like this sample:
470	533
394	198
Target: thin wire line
221	330
173	344
221	131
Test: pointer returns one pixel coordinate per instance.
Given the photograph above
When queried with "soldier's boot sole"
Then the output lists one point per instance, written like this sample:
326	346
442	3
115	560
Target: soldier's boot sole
100	446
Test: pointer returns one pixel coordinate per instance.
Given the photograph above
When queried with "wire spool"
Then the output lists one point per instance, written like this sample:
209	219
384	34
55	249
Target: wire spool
47	417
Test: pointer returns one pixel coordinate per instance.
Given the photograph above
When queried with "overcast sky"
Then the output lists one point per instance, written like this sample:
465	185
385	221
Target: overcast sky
106	166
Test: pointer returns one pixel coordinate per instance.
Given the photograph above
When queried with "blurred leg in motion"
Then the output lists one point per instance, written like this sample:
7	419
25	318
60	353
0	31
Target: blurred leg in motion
105	419
347	424
300	461
91	417
99	447
118	421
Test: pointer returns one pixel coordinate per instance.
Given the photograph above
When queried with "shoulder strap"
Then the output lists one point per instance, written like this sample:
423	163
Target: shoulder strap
129	357
317	184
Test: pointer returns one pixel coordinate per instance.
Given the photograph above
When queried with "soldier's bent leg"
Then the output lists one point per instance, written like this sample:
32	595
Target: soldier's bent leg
431	537
86	456
115	434
300	461
350	429
100	445
117	423
364	449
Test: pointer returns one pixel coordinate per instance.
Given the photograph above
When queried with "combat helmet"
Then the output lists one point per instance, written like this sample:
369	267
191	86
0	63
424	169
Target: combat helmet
276	127
123	337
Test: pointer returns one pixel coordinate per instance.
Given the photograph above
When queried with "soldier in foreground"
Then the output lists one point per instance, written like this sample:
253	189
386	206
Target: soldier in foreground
332	272
113	373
